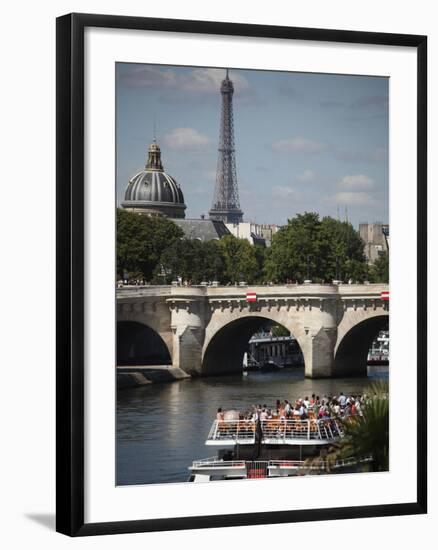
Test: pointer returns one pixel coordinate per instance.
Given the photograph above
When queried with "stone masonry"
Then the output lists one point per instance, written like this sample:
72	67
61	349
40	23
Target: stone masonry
206	329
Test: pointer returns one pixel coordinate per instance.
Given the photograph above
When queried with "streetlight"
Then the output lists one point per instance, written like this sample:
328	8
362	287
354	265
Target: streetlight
337	280
385	231
308	280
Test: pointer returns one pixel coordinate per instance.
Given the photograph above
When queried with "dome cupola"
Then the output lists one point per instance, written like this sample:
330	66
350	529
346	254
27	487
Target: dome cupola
152	191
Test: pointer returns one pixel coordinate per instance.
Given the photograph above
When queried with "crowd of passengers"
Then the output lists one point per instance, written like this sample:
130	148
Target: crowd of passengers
302	409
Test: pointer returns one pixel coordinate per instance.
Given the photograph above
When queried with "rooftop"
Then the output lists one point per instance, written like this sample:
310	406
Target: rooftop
202	229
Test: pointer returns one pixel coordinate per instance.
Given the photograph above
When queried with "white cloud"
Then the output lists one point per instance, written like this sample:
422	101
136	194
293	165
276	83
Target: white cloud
356	182
209	81
352	198
283	192
186	139
307	176
299	145
148	76
197	80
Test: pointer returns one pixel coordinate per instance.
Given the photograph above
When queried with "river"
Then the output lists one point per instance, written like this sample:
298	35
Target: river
162	428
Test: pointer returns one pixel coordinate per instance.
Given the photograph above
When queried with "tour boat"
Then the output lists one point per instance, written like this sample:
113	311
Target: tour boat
379	351
269	448
271	365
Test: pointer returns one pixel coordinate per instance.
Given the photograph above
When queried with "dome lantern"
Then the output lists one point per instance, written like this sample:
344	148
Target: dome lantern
154	157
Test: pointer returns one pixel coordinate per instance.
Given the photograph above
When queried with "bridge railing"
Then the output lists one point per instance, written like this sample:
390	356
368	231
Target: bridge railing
133	291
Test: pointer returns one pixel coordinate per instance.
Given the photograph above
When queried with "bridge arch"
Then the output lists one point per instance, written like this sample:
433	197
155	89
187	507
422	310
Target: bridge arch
353	344
226	342
139	344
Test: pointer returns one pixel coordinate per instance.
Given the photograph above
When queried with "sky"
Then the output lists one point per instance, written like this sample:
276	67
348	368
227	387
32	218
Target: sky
304	141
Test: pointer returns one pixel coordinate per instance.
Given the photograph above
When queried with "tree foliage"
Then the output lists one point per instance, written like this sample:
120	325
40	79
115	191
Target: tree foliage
321	250
192	260
154	248
229	260
379	271
240	260
365	435
141	241
368	434
279	330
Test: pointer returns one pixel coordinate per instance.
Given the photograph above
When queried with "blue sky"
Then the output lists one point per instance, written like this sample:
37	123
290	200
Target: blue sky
303	141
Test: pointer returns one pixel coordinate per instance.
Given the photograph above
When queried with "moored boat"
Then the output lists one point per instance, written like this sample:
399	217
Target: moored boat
379	351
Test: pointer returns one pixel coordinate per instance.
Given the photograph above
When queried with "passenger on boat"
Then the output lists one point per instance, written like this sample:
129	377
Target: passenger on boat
342	400
296	413
314	408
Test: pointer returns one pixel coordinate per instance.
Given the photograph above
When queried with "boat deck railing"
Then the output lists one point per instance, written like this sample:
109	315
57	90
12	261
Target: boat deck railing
275	431
271	466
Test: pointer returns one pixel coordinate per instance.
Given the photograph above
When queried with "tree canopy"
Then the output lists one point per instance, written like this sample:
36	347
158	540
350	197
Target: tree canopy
192	260
379	271
321	250
154	248
140	242
240	260
229	260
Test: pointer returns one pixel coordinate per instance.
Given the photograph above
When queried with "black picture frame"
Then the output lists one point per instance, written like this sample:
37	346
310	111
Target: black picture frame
70	272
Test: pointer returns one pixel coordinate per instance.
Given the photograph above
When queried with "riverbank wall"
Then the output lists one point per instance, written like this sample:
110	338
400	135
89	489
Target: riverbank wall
136	376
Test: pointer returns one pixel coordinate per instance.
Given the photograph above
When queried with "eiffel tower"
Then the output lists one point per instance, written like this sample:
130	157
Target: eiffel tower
226	205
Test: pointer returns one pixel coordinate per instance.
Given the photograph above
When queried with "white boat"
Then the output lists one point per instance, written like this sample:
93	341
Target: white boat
269	448
379	351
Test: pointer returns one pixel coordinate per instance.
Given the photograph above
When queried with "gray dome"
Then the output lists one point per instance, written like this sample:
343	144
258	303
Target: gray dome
153	191
153	186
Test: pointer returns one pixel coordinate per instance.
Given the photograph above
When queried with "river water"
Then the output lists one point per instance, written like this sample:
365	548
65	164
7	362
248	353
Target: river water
162	428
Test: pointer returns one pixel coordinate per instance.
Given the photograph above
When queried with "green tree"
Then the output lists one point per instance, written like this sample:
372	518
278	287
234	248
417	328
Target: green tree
322	250
294	249
344	256
240	260
141	241
279	330
364	435
369	434
379	271
193	260
260	255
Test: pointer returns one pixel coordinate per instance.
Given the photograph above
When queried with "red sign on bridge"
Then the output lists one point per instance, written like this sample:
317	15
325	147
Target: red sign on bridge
385	295
251	297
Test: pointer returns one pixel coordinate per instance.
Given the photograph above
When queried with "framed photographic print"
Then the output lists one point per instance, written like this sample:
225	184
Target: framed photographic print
241	267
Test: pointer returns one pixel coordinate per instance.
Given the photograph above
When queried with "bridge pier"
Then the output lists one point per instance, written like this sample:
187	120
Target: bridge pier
319	353
187	349
188	328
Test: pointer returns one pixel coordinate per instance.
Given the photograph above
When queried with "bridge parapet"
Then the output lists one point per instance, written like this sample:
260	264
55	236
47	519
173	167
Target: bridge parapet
273	290
366	290
130	292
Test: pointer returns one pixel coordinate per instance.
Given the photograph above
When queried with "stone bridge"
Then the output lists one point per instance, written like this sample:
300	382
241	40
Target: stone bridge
205	330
